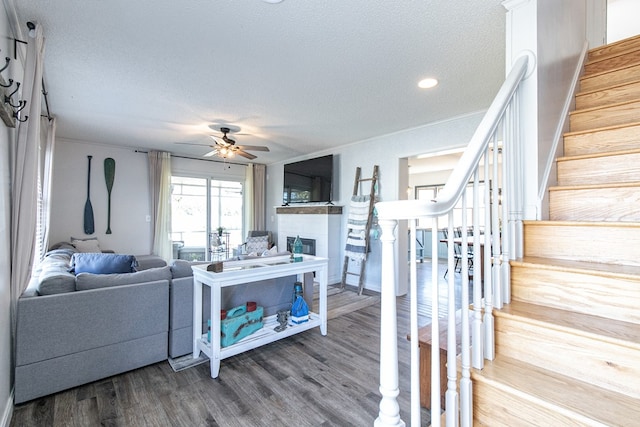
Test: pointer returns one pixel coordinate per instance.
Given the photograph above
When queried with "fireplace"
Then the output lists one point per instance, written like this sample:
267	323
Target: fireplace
308	245
320	224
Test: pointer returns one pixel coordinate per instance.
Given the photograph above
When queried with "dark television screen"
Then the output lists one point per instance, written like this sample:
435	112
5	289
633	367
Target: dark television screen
308	180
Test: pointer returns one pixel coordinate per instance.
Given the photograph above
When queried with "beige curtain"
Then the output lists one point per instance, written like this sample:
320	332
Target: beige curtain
160	190
24	174
259	197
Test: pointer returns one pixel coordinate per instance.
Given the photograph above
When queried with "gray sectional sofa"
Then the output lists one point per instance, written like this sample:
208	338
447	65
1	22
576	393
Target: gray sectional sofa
75	329
65	338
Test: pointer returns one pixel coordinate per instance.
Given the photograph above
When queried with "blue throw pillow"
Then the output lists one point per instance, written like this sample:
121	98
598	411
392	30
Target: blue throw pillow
100	263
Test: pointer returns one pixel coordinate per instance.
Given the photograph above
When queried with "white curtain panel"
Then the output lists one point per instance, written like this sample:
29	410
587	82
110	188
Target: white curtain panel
248	198
160	183
259	196
24	173
48	141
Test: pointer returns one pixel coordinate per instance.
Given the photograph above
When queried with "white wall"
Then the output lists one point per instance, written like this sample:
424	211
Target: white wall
131	233
622	19
385	151
555	32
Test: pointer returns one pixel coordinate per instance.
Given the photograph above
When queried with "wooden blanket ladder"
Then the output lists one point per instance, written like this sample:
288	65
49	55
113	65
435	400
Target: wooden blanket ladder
353	229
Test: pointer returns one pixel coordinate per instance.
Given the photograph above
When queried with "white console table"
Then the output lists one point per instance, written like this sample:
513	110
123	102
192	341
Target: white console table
246	271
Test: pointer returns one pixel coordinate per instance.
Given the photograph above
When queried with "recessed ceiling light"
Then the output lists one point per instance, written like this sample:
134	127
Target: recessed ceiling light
272	1
427	83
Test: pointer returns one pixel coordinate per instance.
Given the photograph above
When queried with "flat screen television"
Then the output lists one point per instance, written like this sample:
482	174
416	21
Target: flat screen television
308	181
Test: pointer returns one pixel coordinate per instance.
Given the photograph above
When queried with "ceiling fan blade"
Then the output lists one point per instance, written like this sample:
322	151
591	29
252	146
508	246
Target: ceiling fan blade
253	147
221	142
245	155
211	153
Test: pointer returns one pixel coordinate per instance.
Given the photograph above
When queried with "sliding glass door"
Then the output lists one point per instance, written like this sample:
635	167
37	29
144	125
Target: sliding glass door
199	208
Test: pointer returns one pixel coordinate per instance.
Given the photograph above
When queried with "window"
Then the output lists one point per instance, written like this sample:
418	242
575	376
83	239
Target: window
199	206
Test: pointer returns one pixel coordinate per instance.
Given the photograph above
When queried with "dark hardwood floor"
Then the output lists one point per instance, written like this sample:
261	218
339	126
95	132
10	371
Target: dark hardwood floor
305	380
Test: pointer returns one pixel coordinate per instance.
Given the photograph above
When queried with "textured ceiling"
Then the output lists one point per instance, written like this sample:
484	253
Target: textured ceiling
298	76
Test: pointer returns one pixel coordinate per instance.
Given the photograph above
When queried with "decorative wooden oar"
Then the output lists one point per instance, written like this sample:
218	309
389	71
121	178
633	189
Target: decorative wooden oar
88	209
109	175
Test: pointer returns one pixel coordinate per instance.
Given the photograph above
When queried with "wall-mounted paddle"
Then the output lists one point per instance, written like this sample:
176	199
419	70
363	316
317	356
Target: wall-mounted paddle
109	175
88	209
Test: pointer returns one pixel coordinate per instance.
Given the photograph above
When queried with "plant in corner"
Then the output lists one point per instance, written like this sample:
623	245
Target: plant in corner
220	230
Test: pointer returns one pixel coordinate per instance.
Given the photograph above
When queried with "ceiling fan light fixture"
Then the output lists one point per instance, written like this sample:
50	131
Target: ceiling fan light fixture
427	83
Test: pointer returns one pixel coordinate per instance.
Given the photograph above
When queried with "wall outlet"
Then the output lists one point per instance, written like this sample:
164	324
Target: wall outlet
147	218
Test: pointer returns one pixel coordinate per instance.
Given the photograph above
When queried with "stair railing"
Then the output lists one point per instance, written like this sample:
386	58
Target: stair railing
484	191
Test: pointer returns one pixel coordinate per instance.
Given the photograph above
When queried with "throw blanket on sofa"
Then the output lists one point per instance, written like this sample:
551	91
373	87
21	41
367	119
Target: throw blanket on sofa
358	215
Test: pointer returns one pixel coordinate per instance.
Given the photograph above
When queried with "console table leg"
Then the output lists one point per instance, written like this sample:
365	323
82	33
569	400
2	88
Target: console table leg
197	317
215	367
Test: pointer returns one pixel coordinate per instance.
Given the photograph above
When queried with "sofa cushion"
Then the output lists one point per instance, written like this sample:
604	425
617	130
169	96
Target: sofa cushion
54	276
182	268
86	281
257	244
100	263
86	245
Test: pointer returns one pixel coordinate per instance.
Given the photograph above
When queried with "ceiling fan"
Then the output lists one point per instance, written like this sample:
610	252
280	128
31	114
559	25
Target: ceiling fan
226	147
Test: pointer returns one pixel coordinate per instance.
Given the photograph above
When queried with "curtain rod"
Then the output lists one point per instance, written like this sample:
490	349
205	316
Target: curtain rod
195	158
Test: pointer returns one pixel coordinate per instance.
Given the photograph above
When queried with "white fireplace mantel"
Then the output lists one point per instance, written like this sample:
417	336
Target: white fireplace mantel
321	223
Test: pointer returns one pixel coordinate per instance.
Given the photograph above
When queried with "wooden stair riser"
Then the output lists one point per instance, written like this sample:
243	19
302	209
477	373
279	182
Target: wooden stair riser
496	407
614	49
617	114
613	95
603	169
612	63
602	140
610	78
615	243
610	204
599	295
601	363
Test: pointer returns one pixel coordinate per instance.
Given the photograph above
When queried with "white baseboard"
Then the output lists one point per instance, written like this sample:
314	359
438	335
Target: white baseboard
7	411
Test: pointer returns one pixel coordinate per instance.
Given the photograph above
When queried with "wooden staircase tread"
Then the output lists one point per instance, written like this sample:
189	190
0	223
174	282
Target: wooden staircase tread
606	330
610	49
606	58
598	155
603	128
589	76
595	186
604	107
631	272
588	404
581	224
615	86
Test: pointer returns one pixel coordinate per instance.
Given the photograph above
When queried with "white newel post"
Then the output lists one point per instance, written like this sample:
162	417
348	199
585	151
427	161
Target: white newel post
389	414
